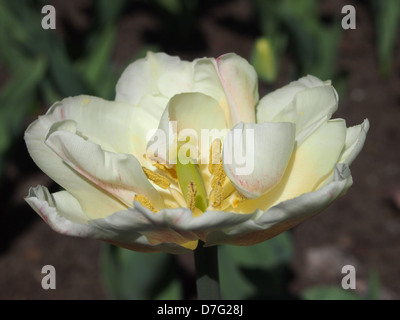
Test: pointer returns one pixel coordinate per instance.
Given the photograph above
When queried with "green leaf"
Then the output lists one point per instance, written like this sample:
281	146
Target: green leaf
64	74
139	276
328	293
267	254
17	95
387	21
108	11
234	285
239	264
171	6
374	286
95	67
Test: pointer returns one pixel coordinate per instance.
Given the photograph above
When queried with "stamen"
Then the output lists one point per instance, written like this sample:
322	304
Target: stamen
216	195
158	179
145	202
191	196
236	199
170	172
215	155
219	175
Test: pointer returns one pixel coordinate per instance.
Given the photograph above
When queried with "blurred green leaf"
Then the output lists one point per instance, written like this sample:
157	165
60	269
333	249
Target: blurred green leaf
132	275
17	95
328	293
234	285
387	20
374	286
238	263
95	67
266	254
64	74
172	6
108	11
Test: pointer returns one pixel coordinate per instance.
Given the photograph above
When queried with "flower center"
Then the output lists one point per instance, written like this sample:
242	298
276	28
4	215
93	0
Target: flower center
197	187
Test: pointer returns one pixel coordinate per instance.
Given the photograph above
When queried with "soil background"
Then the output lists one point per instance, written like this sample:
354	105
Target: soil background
361	229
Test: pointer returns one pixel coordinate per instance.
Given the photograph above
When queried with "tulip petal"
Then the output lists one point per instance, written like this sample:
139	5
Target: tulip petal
239	80
273	103
285	215
207	81
192	113
61	211
267	147
165	227
94	201
156	74
120	175
309	109
311	163
355	138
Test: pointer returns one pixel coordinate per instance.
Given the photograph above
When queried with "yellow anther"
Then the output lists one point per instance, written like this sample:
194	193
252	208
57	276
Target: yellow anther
216	195
191	196
158	179
145	202
170	172
236	199
215	155
218	175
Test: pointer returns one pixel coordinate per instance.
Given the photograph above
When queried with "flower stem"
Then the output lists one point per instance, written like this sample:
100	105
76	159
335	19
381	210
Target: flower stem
207	277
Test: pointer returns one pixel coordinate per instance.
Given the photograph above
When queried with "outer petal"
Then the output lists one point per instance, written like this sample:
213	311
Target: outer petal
61	211
177	231
95	200
274	102
355	138
120	175
268	148
311	163
156	74
309	109
170	230
285	215
239	80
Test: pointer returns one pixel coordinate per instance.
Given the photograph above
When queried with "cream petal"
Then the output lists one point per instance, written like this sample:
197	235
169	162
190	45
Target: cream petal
309	109
207	81
188	113
108	123
355	139
165	227
94	201
61	211
120	175
273	103
240	83
285	215
156	74
267	148
311	163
